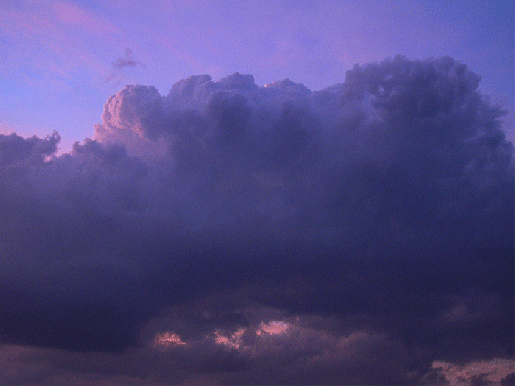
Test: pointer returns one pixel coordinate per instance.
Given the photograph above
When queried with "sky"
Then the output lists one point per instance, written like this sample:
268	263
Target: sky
70	56
256	192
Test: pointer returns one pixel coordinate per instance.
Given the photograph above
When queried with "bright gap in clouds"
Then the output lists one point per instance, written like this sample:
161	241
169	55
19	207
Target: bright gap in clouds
168	338
272	328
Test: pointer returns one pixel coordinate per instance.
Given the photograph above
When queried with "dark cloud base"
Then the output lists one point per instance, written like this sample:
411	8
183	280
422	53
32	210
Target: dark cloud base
375	216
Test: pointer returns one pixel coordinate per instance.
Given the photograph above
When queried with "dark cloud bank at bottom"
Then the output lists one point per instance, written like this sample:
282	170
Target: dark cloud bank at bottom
373	217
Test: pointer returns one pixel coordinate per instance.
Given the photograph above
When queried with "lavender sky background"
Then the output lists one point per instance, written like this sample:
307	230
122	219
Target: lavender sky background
256	192
56	67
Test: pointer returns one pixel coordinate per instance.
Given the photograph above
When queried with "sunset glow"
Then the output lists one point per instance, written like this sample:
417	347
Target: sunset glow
168	339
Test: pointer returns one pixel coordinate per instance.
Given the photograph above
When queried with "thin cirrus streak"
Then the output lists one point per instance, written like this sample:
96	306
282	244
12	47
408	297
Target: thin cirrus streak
365	231
57	54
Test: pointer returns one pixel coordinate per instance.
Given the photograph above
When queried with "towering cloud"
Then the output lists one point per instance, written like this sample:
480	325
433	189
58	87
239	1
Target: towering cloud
365	229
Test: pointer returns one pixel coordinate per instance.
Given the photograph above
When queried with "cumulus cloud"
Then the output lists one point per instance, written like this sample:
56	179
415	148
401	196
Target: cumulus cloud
17	151
365	226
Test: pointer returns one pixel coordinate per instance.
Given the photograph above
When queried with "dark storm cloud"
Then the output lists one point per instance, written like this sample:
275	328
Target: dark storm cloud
380	208
16	151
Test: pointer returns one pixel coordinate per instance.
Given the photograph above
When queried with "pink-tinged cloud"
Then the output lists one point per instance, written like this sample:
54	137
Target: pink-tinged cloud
75	17
491	372
168	338
273	328
233	340
51	43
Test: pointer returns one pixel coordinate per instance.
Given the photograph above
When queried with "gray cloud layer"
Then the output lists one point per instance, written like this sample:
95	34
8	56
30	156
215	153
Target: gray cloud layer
382	206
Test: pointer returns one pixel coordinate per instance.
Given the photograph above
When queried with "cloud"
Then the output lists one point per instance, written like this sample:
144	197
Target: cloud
77	17
17	151
60	35
365	229
493	372
303	352
126	61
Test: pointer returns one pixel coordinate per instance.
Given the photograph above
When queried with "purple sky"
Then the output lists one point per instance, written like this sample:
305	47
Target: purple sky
56	67
215	192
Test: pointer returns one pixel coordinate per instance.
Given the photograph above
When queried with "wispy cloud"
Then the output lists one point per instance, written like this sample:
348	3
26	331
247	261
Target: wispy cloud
491	372
54	41
127	60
